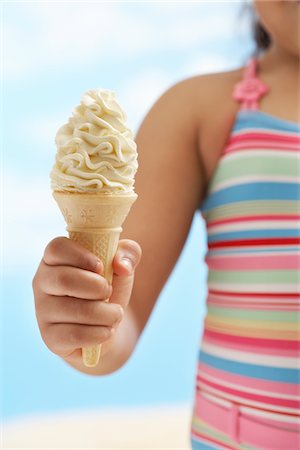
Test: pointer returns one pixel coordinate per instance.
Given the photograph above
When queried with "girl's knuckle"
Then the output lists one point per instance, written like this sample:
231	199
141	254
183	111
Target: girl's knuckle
53	247
39	311
102	289
62	279
34	282
88	261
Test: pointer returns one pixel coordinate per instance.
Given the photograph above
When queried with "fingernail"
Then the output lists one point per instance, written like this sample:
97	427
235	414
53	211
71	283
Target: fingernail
127	262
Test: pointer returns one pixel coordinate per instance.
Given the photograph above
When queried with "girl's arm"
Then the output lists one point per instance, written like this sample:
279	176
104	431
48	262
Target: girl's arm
69	287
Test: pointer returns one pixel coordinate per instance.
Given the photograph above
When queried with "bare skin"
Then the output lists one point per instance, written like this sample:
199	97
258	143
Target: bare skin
180	141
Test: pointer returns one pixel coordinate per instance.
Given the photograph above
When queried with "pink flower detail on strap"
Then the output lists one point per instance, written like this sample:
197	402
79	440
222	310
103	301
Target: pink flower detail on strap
250	89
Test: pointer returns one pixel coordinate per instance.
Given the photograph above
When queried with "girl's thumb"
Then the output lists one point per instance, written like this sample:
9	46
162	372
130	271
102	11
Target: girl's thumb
127	257
125	261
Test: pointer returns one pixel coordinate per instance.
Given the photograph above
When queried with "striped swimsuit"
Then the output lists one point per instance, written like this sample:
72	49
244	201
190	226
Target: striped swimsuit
247	387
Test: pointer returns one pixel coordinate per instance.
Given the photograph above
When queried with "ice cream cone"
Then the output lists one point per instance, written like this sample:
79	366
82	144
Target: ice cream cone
95	221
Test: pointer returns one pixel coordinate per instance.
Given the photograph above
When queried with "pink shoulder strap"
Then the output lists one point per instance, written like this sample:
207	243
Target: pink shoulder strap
250	89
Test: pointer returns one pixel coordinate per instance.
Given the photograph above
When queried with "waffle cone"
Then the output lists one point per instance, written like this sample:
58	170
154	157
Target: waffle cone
95	222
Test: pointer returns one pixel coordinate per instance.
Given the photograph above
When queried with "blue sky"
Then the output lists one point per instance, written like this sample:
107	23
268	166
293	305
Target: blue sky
53	52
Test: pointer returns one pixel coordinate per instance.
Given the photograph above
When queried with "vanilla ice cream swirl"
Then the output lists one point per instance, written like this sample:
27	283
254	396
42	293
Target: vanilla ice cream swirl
96	152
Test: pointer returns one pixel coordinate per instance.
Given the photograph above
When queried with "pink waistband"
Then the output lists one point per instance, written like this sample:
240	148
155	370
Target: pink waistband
243	429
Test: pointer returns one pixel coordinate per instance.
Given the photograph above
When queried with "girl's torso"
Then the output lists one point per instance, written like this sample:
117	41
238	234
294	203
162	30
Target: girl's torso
249	351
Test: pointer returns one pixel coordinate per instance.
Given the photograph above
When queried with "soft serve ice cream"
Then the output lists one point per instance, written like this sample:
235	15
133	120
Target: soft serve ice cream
93	180
96	152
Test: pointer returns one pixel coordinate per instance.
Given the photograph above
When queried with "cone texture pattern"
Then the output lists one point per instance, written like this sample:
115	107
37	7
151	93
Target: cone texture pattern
95	222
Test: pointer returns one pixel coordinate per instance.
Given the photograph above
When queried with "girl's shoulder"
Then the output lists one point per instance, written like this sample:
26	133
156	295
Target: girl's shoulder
208	90
205	100
197	112
212	108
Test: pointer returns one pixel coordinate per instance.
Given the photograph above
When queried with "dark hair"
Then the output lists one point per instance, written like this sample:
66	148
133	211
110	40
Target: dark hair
261	36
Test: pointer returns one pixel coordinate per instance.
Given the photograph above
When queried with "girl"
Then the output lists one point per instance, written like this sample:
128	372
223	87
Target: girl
225	144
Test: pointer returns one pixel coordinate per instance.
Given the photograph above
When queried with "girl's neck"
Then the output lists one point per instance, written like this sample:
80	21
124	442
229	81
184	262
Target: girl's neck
279	59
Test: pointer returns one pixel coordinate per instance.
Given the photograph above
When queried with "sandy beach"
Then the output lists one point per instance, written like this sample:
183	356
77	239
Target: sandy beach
160	427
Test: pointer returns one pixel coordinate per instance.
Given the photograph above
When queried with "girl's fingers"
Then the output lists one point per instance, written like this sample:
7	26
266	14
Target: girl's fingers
77	311
63	339
62	251
73	282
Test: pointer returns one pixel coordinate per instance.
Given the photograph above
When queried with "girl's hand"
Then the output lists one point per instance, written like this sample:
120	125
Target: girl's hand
69	293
